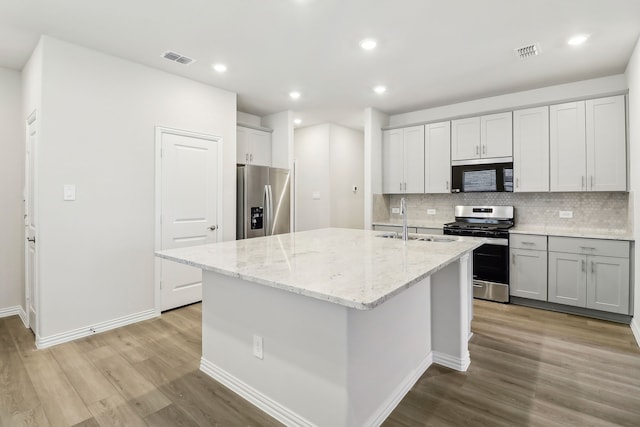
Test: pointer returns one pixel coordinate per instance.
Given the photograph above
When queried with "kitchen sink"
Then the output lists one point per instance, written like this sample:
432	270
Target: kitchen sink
418	237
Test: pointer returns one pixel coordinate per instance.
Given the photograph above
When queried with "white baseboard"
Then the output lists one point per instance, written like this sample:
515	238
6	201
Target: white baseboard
258	399
44	342
13	311
452	362
399	393
290	418
635	328
24	317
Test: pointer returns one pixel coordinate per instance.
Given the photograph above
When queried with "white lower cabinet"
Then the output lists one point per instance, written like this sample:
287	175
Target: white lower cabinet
528	271
589	273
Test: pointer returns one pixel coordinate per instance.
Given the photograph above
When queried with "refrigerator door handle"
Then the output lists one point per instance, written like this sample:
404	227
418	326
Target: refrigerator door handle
268	209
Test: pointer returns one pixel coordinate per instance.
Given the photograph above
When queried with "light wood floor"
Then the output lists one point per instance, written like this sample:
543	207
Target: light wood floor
529	367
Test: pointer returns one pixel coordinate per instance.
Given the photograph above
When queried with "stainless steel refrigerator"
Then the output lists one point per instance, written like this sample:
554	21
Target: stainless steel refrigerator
263	201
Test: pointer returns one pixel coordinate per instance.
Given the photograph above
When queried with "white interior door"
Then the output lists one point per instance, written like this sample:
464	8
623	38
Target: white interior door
189	209
31	270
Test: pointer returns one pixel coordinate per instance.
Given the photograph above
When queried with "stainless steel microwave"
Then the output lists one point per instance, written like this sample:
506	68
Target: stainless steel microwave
486	178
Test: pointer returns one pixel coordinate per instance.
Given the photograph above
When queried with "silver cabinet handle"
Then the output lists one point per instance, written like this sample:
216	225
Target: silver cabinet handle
582	185
484	149
251	157
405	186
246	157
446	185
528	243
592	182
477	150
213	227
582	263
588	248
517	182
31	240
400	186
513	259
593	267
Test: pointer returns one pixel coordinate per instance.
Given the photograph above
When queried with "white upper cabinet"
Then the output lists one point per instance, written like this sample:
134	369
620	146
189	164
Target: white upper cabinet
606	144
465	139
531	149
437	157
588	145
482	137
496	136
253	146
403	160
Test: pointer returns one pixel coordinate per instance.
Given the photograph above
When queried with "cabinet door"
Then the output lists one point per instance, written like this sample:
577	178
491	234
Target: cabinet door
567	279
242	150
414	159
606	144
528	274
259	147
496	136
567	147
392	161
531	149
465	139
437	158
608	284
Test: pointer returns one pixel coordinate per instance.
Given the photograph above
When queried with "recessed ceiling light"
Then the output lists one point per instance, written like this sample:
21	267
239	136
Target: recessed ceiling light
294	95
221	68
368	44
380	89
578	39
297	121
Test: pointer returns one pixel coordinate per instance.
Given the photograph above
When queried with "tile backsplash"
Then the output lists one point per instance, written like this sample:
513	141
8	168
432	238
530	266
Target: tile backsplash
590	210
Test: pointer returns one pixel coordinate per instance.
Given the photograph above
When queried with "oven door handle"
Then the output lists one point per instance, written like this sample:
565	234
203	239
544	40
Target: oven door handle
497	242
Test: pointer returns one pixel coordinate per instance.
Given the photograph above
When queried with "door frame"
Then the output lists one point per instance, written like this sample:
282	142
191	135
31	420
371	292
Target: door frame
29	176
159	132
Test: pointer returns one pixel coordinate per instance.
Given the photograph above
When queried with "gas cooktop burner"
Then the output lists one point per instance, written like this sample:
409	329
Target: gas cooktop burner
485	221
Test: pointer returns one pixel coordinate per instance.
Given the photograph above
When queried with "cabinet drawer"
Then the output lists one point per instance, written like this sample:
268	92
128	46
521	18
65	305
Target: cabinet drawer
612	248
528	241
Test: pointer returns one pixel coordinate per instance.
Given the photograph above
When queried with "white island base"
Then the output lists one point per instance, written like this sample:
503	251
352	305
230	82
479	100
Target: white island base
326	364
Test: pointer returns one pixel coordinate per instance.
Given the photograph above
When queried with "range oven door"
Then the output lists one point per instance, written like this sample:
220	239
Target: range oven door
491	271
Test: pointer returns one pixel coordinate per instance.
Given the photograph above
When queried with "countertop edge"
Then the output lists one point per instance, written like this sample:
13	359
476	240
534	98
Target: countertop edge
365	305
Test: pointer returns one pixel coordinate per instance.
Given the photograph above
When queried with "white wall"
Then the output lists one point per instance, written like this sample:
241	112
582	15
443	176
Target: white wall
582	89
633	79
97	132
313	159
248	119
329	161
374	120
11	185
346	148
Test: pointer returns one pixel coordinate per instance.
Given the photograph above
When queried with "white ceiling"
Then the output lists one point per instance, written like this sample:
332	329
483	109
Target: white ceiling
430	53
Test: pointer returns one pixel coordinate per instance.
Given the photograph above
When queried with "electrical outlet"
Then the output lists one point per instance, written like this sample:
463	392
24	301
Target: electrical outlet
431	211
566	214
395	210
257	347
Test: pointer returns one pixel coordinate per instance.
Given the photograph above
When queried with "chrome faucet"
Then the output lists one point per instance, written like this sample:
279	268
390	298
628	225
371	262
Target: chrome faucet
403	212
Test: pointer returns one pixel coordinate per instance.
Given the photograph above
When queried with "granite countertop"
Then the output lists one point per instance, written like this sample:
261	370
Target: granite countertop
591	233
353	268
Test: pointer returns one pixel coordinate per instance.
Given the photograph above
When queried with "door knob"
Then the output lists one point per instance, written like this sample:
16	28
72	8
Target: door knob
213	227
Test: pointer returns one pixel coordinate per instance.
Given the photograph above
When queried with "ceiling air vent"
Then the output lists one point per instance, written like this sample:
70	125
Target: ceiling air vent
528	51
176	57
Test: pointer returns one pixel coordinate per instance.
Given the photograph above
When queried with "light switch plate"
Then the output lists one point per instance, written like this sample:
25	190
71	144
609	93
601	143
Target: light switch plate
566	214
395	210
315	195
69	192
431	211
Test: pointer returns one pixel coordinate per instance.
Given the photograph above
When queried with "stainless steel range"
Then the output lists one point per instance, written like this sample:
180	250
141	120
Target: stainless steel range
491	260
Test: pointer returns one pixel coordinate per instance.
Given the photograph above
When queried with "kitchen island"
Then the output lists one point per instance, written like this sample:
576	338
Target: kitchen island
331	327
